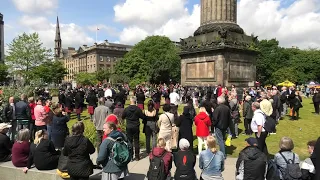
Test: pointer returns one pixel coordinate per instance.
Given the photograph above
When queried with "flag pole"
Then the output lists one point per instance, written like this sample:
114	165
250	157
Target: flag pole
96	34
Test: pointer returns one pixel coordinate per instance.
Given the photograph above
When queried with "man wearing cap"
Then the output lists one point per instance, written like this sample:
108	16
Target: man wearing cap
251	163
5	143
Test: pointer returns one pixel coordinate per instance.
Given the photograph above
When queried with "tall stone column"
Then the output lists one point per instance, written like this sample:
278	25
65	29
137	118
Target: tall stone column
218	11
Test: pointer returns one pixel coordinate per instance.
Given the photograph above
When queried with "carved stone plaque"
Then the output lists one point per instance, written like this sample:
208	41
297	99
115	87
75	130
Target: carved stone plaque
240	71
200	70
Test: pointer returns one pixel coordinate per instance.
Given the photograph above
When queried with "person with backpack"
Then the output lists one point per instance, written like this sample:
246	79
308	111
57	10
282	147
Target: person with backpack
160	162
114	154
251	163
257	126
184	161
203	124
287	161
211	161
78	149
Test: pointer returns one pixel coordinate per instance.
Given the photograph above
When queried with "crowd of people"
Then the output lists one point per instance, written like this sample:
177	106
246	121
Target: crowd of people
35	130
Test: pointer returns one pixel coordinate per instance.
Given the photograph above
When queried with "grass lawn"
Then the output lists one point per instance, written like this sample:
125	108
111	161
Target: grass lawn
301	132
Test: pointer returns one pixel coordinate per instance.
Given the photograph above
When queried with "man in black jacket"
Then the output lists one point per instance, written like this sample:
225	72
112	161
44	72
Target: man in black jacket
221	121
132	114
22	113
251	163
9	117
316	101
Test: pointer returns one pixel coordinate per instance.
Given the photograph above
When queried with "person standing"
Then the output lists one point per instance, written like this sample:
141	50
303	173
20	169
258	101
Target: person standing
59	127
99	116
165	124
22	113
174	98
203	123
9	117
156	97
284	101
186	121
257	124
140	99
92	103
316	101
234	107
40	115
150	126
49	117
78	103
32	105
78	149
221	121
247	114
132	114
266	105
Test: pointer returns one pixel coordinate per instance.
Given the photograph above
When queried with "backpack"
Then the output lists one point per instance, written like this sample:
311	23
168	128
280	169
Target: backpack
272	171
120	152
269	124
156	168
292	171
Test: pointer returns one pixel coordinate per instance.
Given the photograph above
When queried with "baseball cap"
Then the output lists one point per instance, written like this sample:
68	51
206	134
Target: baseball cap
4	126
252	141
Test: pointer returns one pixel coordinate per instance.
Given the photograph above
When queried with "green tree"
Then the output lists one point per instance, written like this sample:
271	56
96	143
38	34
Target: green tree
25	53
49	72
3	72
103	74
154	59
84	78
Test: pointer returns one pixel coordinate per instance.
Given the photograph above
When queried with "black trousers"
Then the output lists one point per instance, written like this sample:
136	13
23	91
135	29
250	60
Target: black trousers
316	107
41	128
262	142
133	136
32	129
247	126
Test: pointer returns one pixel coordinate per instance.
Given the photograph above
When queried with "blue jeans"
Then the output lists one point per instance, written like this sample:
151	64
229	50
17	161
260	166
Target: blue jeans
221	138
49	129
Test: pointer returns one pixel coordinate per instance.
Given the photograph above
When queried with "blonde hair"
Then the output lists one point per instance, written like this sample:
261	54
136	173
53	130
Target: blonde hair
212	143
161	143
39	136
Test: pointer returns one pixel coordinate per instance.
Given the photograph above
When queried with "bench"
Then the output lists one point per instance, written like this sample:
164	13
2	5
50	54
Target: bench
9	172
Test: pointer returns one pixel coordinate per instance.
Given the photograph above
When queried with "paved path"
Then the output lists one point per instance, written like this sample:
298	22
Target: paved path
139	169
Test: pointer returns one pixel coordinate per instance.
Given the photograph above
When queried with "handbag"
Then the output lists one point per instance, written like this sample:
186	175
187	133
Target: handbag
174	135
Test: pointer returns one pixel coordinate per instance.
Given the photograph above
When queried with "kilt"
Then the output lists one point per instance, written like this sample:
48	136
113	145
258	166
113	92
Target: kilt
141	106
90	110
167	101
157	105
79	110
68	110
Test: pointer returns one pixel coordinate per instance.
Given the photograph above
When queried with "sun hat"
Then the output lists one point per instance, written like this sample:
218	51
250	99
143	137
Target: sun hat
4	126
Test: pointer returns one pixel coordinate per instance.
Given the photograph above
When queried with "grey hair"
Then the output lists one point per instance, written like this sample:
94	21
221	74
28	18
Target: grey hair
264	95
221	100
286	144
256	105
248	98
23	135
101	101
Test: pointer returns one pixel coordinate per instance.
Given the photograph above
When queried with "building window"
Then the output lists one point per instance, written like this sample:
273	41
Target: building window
101	58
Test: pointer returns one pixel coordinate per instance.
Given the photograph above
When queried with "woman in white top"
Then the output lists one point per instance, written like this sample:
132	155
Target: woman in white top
165	124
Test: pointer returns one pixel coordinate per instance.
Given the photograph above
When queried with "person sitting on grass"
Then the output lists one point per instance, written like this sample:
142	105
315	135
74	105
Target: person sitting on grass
42	153
184	160
21	149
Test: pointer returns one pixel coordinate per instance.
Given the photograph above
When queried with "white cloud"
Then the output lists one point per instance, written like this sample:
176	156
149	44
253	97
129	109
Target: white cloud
156	17
296	25
293	23
36	6
72	35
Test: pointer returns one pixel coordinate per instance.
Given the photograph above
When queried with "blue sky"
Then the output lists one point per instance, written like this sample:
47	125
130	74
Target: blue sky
174	18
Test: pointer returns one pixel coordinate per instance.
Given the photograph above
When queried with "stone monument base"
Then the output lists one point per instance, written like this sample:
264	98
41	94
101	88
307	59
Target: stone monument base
222	65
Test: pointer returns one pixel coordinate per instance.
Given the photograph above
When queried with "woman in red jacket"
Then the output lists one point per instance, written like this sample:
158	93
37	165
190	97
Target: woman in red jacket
202	122
32	105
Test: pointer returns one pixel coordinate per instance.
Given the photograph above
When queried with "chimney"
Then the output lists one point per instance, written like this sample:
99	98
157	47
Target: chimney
84	45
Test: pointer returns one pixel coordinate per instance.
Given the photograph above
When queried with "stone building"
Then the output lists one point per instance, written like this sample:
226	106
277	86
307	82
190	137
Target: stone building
90	59
1	39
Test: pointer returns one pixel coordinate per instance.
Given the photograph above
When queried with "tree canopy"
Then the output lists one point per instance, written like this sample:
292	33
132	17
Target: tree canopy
25	53
49	72
154	59
276	64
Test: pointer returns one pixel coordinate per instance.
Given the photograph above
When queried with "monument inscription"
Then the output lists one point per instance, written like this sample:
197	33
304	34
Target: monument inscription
200	70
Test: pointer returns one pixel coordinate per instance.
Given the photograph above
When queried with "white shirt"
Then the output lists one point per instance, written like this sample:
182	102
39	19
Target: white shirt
107	93
174	98
258	120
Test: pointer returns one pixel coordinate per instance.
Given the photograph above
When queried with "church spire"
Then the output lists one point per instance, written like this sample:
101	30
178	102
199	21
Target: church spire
57	41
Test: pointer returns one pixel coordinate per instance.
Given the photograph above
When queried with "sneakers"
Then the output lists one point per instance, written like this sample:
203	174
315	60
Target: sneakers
273	133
